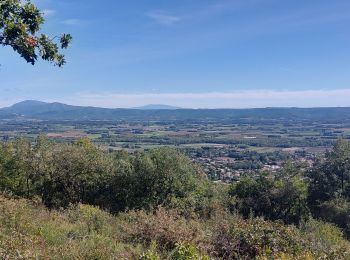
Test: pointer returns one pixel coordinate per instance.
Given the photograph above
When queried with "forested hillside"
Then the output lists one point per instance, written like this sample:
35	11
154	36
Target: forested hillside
74	201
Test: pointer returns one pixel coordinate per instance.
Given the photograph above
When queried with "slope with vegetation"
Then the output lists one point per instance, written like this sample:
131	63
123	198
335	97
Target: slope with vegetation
74	201
28	230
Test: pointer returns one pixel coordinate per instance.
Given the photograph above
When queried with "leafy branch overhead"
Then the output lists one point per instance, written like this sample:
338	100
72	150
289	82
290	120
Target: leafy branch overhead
20	23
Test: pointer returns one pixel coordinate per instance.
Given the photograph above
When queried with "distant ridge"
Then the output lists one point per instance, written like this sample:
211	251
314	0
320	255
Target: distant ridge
157	107
37	110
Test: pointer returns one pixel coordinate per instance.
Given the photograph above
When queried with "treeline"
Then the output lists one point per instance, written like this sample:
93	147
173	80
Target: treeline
241	154
261	141
162	187
65	174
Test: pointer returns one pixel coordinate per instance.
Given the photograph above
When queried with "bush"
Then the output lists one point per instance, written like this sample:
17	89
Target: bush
30	231
166	228
235	238
151	179
271	198
325	238
185	251
336	211
66	174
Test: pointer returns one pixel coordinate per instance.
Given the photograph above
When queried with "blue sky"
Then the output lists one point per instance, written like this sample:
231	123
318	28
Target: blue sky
190	53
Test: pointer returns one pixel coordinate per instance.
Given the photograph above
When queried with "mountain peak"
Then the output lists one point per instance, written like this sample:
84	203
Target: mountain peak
29	103
157	107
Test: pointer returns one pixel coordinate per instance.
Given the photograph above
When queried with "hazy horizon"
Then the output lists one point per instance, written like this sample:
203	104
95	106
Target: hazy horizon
201	97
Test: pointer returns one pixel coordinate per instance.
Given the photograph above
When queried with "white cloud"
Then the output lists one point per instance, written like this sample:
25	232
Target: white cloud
164	18
236	99
72	22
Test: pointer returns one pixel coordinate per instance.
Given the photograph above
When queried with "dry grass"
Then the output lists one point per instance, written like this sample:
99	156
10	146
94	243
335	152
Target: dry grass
29	231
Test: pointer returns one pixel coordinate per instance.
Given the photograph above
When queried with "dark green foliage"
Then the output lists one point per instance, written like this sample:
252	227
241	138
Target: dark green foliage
329	195
63	174
335	211
331	178
152	179
159	177
16	172
77	175
20	23
271	198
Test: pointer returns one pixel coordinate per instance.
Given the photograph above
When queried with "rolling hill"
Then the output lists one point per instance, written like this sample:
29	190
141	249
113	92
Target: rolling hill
32	109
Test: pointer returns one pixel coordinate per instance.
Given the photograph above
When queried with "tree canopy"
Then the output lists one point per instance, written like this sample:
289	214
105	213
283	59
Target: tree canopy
20	24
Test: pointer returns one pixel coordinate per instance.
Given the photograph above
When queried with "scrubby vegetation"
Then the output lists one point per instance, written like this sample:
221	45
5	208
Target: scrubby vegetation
75	201
29	230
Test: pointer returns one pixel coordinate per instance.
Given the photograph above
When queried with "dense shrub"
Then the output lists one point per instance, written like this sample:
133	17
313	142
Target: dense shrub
147	180
271	198
65	174
185	251
235	238
77	175
329	193
336	211
166	228
325	239
30	231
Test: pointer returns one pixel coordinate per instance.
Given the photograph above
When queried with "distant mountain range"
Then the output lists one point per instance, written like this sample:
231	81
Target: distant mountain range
32	109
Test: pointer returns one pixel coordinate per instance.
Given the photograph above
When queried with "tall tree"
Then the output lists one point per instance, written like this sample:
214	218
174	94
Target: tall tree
20	23
331	178
329	188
